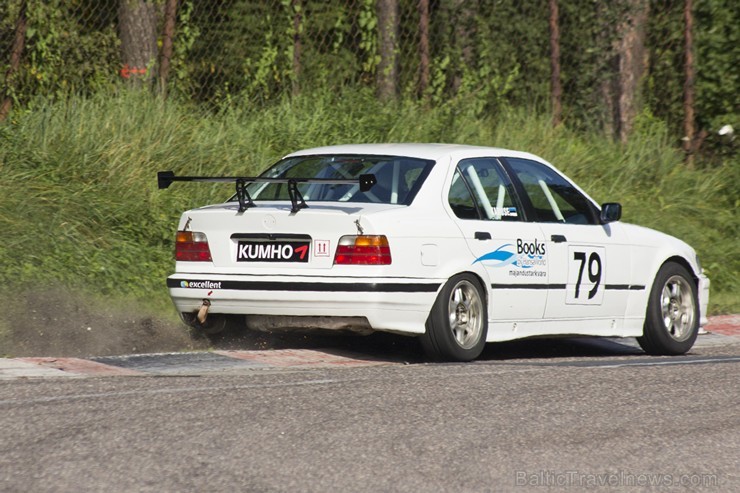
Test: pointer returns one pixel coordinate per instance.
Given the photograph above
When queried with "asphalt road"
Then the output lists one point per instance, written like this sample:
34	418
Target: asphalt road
532	417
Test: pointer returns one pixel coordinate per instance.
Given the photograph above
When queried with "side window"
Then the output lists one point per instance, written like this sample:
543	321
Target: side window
461	199
553	198
479	190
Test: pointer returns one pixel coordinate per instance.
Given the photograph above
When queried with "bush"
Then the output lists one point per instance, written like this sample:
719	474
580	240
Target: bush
79	205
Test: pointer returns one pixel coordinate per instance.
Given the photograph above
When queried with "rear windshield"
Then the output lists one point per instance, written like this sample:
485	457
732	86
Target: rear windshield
398	178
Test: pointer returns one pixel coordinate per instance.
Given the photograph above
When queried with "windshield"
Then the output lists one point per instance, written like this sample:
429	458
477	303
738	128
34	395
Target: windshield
398	178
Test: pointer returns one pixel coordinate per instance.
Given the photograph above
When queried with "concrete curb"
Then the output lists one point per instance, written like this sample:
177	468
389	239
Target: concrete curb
721	330
728	325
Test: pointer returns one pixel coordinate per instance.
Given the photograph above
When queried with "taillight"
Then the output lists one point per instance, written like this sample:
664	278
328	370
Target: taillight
363	250
192	247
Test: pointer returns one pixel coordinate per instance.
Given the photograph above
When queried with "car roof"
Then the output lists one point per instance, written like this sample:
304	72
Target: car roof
434	152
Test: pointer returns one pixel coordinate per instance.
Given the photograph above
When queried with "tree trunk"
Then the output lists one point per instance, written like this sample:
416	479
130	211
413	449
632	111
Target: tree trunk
423	47
170	14
464	12
387	76
608	67
688	87
625	66
632	65
19	42
137	24
556	89
297	22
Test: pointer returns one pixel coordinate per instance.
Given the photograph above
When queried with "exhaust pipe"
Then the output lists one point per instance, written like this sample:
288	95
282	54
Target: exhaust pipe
203	312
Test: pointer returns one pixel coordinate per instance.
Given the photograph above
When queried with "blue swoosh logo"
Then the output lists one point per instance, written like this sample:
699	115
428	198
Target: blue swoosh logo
500	255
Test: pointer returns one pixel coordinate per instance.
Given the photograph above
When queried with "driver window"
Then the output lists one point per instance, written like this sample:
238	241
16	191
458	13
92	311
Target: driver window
480	191
553	198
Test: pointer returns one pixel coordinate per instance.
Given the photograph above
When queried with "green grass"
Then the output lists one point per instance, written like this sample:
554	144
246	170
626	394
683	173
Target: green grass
79	207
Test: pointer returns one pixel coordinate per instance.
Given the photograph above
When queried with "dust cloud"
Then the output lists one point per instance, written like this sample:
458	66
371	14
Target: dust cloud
64	323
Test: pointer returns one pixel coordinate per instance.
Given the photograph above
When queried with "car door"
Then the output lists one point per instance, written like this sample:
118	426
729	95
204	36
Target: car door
589	262
510	249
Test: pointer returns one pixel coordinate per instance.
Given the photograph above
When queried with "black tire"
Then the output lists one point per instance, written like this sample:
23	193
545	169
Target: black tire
672	318
458	322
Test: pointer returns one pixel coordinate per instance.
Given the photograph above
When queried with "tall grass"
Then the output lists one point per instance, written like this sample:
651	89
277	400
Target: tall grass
79	206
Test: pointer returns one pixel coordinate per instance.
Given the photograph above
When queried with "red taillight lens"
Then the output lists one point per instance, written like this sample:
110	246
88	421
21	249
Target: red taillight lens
363	250
192	247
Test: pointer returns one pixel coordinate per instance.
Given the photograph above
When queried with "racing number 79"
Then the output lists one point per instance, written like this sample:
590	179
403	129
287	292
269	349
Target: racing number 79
594	277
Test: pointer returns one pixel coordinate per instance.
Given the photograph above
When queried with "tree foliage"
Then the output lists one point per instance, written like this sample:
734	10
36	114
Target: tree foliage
63	52
717	45
494	53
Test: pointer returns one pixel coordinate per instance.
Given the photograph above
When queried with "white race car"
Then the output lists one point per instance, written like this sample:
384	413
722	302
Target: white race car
458	245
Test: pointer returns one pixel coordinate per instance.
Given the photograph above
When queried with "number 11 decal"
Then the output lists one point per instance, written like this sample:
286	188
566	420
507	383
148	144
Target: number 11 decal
586	269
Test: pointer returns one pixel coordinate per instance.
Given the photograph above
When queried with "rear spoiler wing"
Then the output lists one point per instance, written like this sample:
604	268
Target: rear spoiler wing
365	182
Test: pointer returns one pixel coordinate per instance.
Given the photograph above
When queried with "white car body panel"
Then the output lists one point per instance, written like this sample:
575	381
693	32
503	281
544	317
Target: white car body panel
429	245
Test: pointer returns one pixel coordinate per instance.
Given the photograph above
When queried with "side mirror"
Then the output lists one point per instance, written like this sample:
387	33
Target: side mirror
610	212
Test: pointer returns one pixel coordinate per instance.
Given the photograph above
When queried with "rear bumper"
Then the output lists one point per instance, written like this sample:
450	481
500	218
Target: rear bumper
388	304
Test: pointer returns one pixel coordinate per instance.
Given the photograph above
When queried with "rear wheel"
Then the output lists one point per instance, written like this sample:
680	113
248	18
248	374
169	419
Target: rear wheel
672	318
458	323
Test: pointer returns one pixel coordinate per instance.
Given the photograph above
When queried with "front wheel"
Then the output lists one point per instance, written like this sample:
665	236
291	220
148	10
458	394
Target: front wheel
458	323
672	318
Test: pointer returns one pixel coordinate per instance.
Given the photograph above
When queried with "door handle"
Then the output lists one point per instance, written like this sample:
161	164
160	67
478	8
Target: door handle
558	238
482	235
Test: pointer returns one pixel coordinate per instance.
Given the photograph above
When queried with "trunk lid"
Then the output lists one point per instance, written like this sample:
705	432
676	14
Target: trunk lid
269	237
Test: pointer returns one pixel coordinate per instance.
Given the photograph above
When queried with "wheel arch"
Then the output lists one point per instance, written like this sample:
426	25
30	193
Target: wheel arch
678	259
480	275
656	267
